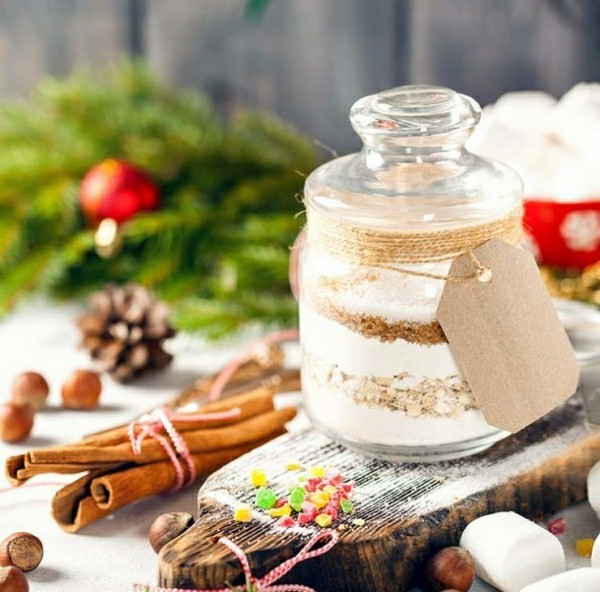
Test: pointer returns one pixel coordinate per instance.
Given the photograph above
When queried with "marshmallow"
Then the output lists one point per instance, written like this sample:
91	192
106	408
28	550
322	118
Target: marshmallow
585	579
593	488
511	552
552	145
596	554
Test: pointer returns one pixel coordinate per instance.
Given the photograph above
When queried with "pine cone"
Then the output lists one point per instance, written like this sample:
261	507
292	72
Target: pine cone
125	331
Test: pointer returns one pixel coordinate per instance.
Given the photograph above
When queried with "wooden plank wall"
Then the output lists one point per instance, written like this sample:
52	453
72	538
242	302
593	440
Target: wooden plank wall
308	60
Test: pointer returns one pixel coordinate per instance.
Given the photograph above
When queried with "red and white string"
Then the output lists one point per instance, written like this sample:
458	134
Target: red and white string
223	378
268	582
152	426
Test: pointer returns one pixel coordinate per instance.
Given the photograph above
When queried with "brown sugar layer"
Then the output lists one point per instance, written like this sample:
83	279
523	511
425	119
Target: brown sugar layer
372	326
434	397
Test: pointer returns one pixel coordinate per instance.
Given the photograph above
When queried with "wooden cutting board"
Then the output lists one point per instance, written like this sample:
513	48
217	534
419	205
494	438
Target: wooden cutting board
410	510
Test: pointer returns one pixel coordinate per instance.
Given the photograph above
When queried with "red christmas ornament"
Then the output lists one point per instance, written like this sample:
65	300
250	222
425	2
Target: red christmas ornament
564	235
118	190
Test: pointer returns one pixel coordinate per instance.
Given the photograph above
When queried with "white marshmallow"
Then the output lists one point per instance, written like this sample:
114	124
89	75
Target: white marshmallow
553	146
584	579
511	552
593	488
596	554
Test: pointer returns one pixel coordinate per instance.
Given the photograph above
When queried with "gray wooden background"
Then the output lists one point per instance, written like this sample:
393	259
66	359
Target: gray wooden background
308	60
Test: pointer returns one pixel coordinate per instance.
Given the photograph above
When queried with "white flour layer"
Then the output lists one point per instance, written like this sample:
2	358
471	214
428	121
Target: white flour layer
379	425
334	343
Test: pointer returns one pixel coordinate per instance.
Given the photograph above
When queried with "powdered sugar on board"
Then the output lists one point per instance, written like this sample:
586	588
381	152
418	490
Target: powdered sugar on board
383	490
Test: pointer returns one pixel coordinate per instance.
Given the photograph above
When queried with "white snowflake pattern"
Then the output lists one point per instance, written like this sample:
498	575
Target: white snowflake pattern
581	230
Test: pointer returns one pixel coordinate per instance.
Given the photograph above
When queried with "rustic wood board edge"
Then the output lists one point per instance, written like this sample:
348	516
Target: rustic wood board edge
389	561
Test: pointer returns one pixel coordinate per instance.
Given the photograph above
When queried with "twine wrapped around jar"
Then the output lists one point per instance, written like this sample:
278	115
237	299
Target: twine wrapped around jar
370	247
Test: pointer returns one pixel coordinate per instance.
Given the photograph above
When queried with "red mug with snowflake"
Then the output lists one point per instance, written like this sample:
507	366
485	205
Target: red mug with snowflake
564	234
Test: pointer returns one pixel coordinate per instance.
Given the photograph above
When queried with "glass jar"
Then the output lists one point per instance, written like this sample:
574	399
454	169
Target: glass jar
384	225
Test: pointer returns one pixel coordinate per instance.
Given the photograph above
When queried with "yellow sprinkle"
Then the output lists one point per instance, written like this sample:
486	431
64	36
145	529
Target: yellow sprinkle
243	513
358	522
584	547
320	499
323	520
293	466
317	471
284	510
258	478
330	489
342	527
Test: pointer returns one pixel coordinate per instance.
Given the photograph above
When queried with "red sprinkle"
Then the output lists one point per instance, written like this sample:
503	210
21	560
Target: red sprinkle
304	518
557	526
286	522
332	511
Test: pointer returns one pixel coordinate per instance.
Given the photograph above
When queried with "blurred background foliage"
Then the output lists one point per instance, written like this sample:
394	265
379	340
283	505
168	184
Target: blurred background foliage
217	249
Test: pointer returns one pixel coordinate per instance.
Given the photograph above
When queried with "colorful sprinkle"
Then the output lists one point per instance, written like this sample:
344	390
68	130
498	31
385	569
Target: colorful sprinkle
317	471
286	522
258	478
358	522
323	520
310	509
557	526
285	510
330	489
347	506
265	498
243	513
293	466
584	547
331	510
297	496
320	499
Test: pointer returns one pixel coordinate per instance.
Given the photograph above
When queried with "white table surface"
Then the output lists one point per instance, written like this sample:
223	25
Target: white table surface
112	554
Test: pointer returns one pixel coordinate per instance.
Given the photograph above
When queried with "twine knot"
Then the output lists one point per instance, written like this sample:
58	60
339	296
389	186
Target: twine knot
159	422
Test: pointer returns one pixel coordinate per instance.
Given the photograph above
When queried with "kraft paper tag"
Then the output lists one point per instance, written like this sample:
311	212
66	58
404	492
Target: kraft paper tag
506	336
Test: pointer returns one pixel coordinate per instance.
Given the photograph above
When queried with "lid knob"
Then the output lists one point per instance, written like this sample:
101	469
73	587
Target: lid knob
415	110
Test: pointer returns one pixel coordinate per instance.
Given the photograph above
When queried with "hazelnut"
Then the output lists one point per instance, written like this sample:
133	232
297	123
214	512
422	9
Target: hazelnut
16	422
168	527
13	580
21	550
82	390
450	568
30	388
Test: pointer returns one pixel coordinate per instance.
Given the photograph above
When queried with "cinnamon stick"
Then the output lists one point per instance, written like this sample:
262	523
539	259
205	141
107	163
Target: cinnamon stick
72	506
203	440
115	490
101	492
250	404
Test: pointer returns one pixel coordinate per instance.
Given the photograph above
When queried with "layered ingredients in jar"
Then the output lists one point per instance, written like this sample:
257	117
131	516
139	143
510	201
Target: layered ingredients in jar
377	367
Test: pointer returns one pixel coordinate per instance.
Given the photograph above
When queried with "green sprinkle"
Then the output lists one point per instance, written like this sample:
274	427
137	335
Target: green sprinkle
303	478
297	496
347	506
265	498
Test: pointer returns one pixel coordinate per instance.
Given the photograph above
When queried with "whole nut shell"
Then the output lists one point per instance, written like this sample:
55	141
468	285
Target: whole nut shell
22	550
13	580
451	568
82	390
16	422
30	388
168	527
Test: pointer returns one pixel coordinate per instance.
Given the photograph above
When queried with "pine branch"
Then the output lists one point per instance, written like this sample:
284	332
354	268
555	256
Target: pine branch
219	245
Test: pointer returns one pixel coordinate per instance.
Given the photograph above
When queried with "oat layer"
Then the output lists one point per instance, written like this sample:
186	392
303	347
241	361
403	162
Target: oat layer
435	397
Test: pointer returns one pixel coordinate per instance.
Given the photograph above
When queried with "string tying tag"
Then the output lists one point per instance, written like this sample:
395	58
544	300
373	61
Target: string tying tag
265	584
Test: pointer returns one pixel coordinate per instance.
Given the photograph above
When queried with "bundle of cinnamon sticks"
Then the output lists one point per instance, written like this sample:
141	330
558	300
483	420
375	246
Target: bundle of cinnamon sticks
116	476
